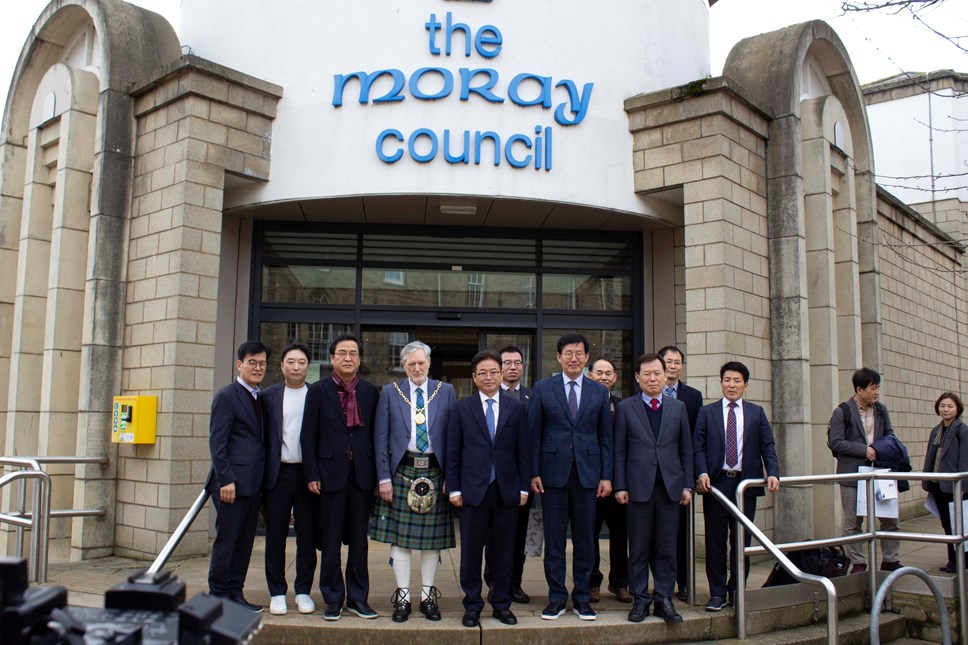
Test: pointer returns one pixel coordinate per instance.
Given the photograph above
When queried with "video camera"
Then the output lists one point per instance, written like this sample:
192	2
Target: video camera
148	609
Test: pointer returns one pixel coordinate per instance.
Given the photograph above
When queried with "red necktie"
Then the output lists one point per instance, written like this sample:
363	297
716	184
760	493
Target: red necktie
655	404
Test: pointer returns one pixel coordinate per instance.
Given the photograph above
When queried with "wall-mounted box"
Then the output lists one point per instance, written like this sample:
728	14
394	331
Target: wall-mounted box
134	419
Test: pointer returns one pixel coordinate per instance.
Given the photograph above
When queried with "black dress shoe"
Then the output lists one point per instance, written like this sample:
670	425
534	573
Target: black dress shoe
333	611
553	610
683	594
665	610
638	613
518	595
506	616
248	605
471	619
401	607
947	568
428	607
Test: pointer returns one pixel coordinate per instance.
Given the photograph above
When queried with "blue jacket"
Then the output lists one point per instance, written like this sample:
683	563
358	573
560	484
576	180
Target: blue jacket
893	454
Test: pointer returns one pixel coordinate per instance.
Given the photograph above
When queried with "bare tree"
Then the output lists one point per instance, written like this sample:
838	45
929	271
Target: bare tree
914	8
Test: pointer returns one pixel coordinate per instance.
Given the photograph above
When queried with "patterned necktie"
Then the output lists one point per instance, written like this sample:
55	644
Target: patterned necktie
491	429
423	440
573	401
655	404
732	456
669	392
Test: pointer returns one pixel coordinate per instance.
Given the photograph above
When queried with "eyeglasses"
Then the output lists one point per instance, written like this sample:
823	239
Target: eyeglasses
254	363
514	363
569	355
343	353
490	374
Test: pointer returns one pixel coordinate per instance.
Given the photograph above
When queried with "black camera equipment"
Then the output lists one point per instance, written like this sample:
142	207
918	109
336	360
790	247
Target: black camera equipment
147	609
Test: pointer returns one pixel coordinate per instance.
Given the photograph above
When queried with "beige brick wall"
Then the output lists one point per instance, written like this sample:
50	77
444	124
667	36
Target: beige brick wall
194	125
923	311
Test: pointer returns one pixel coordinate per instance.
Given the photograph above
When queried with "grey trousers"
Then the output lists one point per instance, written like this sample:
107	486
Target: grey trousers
857	552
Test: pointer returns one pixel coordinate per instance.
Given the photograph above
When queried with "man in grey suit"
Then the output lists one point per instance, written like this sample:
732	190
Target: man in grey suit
653	473
410	442
570	423
851	445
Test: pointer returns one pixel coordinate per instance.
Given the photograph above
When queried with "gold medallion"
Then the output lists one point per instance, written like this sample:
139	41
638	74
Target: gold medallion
420	418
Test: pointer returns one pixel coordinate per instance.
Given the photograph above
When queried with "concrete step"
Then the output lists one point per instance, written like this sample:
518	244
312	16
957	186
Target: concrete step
851	630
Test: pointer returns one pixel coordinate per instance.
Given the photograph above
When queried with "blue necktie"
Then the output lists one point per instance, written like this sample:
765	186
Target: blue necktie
669	392
491	429
573	401
423	440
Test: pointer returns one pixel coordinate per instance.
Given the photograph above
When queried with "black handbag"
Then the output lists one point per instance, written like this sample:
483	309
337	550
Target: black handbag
828	561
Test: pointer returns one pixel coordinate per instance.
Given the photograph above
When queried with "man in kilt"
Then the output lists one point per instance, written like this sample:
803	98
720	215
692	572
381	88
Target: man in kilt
412	513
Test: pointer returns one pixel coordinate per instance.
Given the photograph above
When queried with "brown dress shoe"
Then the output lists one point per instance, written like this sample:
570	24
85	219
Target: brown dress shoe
621	593
595	594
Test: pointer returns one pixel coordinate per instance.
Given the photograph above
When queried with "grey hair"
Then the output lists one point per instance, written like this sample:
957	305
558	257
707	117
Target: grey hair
410	348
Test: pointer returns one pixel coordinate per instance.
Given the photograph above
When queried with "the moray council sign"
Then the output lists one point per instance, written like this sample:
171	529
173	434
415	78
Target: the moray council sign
519	99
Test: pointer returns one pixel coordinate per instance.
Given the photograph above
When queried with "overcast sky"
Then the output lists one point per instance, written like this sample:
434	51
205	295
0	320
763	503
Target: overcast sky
880	45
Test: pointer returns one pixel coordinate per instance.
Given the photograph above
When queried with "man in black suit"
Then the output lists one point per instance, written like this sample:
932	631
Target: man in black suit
570	427
733	442
609	511
236	443
674	361
337	444
487	479
285	494
653	472
513	368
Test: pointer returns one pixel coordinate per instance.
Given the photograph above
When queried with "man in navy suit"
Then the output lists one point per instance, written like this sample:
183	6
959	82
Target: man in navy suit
487	479
410	441
570	424
653	475
513	367
286	495
236	443
337	441
677	389
733	442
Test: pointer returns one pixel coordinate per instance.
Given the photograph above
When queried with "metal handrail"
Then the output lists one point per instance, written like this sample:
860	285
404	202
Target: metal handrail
39	522
870	536
180	531
875	628
779	556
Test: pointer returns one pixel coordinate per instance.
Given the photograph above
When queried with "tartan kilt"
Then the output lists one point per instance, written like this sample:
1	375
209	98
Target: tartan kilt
395	523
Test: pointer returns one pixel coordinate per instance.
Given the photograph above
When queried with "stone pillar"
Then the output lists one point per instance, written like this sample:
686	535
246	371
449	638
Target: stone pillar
196	123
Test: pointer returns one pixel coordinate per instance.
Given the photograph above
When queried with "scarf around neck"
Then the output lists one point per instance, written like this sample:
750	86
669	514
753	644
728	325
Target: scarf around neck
347	398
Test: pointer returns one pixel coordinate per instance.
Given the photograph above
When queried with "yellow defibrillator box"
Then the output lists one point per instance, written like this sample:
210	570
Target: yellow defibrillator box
133	419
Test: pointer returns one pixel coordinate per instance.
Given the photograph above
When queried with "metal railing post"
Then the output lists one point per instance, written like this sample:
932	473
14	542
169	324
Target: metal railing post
179	533
959	529
740	573
872	543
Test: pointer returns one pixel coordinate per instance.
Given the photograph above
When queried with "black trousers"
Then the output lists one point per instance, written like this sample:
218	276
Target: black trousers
942	499
489	523
289	497
652	541
343	518
682	553
234	535
720	532
520	538
610	512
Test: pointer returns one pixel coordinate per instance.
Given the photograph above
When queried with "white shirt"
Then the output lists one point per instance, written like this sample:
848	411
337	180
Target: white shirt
293	404
412	446
567	380
649	398
739	433
254	391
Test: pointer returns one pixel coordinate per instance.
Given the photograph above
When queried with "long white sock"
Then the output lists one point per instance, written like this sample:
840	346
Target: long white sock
428	571
401	569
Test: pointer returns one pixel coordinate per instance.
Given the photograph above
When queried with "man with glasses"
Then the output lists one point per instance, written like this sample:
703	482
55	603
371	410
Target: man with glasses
236	442
692	398
488	480
337	444
570	423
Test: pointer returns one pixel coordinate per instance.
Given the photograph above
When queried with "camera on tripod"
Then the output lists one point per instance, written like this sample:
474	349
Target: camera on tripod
147	609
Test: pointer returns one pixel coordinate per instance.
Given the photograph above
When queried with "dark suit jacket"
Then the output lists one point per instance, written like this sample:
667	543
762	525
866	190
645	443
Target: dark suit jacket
236	441
640	453
556	440
954	453
693	400
471	453
759	449
327	442
391	426
849	445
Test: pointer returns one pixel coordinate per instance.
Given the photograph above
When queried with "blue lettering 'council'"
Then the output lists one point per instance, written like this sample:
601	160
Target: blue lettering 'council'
424	145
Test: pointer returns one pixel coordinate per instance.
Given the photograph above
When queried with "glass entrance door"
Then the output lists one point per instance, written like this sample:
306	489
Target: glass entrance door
452	349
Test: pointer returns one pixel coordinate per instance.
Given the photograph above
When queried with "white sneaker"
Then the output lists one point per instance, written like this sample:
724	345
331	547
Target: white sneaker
305	604
277	606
